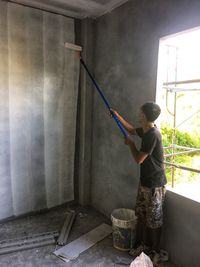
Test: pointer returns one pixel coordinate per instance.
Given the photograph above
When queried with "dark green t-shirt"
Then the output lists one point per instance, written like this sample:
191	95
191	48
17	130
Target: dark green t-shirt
152	173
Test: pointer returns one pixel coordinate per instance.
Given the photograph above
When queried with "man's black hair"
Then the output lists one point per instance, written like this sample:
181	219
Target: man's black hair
151	111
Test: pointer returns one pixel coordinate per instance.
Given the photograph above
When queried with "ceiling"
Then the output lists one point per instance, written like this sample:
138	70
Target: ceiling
74	8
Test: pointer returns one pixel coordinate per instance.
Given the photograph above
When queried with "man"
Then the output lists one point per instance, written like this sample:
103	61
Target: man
151	191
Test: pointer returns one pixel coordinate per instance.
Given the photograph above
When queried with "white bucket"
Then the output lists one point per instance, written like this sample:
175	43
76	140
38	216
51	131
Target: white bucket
123	222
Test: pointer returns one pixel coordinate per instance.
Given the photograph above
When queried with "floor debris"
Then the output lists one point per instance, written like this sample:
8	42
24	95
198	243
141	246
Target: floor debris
76	247
62	239
142	261
82	215
27	242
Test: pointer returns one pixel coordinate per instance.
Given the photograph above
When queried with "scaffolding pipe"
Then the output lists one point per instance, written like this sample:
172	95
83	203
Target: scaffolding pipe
184	147
182	152
188	118
174	89
182	167
167	147
182	82
173	146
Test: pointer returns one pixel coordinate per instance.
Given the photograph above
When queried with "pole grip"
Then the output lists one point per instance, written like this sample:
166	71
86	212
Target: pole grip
119	124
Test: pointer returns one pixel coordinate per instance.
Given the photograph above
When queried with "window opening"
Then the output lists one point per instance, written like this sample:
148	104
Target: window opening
178	93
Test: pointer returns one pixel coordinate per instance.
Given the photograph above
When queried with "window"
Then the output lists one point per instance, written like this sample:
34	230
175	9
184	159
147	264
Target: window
178	93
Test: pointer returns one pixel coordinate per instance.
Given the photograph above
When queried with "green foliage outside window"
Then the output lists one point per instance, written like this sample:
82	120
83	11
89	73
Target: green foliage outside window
190	160
182	138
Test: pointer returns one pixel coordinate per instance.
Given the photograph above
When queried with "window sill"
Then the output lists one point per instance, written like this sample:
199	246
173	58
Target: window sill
188	190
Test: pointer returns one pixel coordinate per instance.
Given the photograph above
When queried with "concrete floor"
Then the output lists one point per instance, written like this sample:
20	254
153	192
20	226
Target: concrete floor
101	255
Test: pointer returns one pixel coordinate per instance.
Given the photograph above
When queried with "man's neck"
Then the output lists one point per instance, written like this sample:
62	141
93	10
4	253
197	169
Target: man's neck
147	126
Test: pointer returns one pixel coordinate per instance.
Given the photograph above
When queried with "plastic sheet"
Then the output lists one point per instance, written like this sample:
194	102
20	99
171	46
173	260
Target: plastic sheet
142	261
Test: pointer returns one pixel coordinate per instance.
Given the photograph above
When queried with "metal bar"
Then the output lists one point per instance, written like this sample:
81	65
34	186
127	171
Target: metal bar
172	89
182	152
188	118
63	230
32	238
167	147
182	167
104	99
182	82
180	147
174	138
25	241
167	106
16	248
184	147
69	228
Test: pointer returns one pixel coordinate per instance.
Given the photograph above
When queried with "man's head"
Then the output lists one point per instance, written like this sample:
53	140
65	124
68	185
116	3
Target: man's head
151	111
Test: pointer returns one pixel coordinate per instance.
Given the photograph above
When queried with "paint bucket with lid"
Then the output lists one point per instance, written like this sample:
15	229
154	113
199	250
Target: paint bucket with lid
123	223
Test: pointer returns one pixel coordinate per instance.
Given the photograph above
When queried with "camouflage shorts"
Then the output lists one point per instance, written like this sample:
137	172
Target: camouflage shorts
149	205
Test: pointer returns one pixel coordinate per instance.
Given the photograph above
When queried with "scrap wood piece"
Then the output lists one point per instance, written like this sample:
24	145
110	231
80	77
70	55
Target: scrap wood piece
73	249
62	239
27	242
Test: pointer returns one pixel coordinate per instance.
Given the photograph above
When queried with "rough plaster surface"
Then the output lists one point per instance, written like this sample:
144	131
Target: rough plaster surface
5	181
126	52
38	105
127	77
181	230
85	114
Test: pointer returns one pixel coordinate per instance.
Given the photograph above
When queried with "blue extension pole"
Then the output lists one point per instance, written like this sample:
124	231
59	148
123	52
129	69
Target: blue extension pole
104	99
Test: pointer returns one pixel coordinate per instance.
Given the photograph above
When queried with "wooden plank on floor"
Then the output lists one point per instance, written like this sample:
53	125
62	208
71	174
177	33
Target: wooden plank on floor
73	249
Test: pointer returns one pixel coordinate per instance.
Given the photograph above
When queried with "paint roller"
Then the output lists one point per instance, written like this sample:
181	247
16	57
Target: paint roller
78	49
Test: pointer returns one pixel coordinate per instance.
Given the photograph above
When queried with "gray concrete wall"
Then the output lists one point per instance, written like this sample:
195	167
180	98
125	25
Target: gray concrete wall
5	173
181	230
38	104
126	53
85	37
